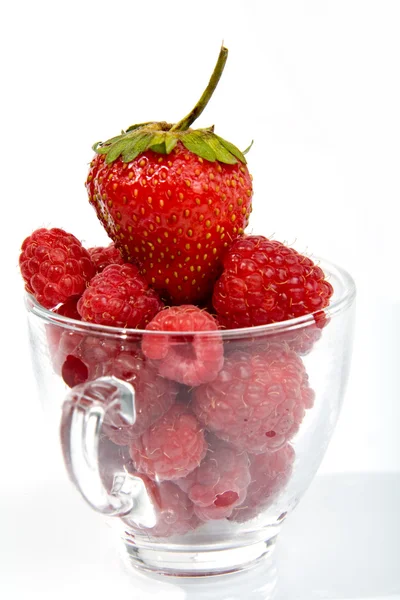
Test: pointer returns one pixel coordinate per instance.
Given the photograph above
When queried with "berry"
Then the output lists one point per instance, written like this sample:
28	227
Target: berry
270	472
258	399
55	266
61	342
172	447
220	483
69	308
172	199
302	339
174	511
103	257
189	359
119	296
264	281
85	358
154	395
74	371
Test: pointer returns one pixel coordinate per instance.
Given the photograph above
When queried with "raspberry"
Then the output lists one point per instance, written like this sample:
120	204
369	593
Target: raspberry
103	257
119	296
69	308
264	281
86	358
270	472
220	483
74	371
172	447
174	510
55	266
302	339
190	359
258	400
154	395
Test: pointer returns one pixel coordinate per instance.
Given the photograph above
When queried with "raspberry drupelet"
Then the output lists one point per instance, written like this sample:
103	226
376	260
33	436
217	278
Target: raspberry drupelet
55	266
191	359
258	399
119	296
263	281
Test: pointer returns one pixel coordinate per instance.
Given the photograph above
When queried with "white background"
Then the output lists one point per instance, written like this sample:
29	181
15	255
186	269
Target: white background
315	84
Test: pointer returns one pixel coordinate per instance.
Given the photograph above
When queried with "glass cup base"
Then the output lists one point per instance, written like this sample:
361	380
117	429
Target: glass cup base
202	561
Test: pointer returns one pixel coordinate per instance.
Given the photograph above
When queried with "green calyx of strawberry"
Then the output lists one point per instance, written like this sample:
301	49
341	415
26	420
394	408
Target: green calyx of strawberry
162	137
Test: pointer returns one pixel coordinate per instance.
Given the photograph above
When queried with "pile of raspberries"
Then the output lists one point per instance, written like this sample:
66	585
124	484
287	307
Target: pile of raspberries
215	413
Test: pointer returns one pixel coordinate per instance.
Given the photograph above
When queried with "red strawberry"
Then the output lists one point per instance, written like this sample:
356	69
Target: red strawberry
173	199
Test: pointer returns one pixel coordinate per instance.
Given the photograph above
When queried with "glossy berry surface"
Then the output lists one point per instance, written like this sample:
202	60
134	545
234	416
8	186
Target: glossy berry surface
257	401
264	281
120	297
191	359
172	447
55	266
69	308
174	215
102	256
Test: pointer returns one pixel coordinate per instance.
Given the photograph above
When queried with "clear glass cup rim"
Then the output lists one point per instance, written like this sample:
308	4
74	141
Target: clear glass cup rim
338	305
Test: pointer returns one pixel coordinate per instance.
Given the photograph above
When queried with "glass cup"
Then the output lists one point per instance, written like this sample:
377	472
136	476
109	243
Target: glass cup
195	445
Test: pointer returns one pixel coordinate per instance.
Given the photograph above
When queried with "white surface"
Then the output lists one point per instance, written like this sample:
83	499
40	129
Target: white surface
314	83
342	542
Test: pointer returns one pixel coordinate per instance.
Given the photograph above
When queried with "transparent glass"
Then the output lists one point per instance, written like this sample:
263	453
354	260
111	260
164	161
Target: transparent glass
196	479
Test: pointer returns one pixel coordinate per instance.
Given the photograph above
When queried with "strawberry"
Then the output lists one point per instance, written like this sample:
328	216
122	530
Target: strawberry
172	199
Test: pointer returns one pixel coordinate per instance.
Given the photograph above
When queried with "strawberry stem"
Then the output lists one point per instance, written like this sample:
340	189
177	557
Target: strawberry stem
208	92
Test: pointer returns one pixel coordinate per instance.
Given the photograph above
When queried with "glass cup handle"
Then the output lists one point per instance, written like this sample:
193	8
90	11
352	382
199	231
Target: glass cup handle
83	415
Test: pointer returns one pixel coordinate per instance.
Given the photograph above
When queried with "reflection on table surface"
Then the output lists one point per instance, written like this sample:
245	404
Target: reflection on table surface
342	542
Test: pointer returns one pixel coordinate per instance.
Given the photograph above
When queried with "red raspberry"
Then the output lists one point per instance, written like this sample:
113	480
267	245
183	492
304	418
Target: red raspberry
174	510
119	296
74	371
220	483
102	257
302	339
154	396
270	472
190	359
264	282
92	352
81	359
55	266
258	400
61	342
69	308
172	447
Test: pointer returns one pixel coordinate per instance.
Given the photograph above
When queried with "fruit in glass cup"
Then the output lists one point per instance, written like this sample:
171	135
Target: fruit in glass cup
214	421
